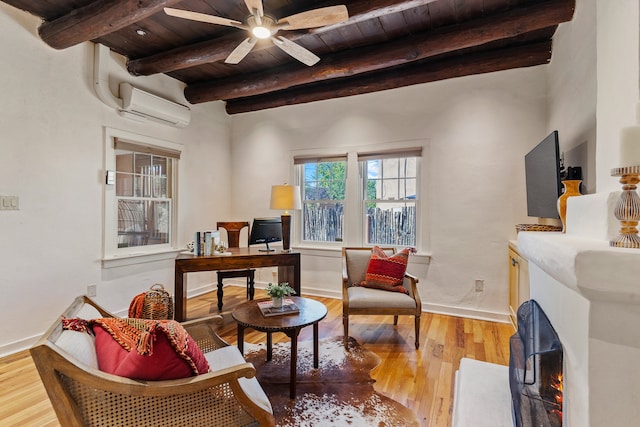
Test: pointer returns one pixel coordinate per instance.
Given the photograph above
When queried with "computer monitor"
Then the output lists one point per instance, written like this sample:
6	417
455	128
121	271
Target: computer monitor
266	230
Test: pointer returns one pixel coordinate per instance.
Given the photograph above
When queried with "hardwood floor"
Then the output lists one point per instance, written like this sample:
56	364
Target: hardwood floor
421	380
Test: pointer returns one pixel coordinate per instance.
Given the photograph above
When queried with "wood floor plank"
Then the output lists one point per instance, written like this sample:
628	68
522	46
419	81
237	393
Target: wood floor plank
420	379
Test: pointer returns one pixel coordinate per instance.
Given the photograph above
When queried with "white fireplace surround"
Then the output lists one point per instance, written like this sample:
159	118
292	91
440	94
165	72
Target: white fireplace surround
591	294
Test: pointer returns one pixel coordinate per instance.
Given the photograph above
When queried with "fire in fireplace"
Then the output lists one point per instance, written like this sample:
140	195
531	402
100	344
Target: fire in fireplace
535	370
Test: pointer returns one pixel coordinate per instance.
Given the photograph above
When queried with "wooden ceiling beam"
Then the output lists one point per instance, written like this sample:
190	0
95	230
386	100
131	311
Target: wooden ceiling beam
477	63
218	49
371	9
97	19
356	61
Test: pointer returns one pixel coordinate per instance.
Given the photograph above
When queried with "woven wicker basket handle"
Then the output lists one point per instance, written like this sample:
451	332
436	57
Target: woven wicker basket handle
157	286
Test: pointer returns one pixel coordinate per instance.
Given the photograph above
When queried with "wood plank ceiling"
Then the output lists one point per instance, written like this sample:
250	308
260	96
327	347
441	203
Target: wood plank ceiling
384	44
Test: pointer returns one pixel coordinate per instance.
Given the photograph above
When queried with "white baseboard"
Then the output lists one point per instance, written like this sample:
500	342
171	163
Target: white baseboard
17	346
465	312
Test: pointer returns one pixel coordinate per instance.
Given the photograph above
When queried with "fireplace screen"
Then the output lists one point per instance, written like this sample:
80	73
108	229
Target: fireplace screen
535	370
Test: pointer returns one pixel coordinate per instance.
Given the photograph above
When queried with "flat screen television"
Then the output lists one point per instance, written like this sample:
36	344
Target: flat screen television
265	230
543	170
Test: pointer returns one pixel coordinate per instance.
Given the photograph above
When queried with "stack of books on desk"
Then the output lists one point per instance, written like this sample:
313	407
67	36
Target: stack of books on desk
204	242
288	307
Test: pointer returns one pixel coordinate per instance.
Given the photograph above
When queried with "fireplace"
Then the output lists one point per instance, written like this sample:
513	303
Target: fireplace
535	370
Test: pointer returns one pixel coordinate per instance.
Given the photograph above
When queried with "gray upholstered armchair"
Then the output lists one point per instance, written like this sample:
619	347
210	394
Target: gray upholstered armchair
357	300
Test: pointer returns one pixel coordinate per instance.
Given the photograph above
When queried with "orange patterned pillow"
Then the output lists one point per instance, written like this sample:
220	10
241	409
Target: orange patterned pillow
386	272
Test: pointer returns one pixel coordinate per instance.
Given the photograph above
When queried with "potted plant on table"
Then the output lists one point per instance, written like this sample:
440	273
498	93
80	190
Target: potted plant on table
277	292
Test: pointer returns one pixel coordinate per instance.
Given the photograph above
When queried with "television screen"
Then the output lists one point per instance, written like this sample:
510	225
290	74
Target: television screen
542	169
266	230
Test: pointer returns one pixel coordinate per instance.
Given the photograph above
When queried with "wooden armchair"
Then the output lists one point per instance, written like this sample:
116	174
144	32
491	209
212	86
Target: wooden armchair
82	395
357	300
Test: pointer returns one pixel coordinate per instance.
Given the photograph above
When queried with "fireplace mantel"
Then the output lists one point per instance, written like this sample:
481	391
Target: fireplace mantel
591	294
589	267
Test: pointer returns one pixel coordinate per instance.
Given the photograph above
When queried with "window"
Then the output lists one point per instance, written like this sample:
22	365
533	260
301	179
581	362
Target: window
323	186
390	191
140	214
378	206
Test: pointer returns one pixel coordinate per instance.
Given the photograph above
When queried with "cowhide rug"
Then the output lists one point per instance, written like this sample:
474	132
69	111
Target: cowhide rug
339	393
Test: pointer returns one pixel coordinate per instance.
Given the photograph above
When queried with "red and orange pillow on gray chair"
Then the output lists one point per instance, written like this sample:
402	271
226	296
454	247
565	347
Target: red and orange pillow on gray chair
386	272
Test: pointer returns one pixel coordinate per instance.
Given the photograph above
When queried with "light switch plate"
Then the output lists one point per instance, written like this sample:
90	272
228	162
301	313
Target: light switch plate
111	177
9	203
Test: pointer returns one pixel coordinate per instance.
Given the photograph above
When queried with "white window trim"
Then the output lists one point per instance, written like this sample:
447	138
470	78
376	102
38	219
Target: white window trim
353	208
112	256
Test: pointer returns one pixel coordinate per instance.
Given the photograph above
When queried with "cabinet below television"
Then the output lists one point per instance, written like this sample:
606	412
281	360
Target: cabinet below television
518	281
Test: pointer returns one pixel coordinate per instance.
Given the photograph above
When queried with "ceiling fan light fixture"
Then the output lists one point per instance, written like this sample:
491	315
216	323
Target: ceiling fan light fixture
261	32
261	27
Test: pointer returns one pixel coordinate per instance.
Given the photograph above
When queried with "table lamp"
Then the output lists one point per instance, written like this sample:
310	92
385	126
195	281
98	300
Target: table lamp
285	197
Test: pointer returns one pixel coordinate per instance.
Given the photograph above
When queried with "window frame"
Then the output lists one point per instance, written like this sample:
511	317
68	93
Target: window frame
299	163
354	213
112	254
363	158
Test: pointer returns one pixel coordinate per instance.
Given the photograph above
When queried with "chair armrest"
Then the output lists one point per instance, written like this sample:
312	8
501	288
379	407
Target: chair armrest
412	282
203	331
345	285
345	275
214	318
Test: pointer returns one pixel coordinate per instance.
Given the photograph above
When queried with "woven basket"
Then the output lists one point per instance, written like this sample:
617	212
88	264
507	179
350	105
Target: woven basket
537	227
156	303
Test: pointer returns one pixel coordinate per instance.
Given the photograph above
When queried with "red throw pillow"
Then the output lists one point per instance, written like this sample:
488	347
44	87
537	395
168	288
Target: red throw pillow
149	350
386	272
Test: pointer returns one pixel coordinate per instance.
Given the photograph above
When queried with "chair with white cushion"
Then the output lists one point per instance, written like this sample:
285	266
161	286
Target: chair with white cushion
83	395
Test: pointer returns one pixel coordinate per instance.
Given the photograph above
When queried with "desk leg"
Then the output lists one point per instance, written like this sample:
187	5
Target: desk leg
251	287
241	339
291	275
315	346
180	294
220	294
294	363
269	347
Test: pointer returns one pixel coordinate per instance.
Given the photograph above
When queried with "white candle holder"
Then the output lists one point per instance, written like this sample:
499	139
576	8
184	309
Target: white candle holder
627	209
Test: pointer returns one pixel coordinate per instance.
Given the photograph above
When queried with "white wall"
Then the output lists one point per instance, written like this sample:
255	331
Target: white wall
618	47
52	127
573	87
474	132
594	83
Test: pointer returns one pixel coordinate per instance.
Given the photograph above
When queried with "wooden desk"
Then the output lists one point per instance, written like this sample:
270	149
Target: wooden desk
288	264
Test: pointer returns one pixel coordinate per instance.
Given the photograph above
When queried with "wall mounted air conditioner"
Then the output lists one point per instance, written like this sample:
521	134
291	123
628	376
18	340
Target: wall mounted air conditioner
136	102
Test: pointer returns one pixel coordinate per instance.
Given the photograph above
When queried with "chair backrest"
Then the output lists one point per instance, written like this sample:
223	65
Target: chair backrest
233	229
357	262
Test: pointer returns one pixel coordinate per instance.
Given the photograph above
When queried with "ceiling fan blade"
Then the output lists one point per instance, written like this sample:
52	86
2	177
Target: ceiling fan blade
241	51
202	17
254	5
315	18
295	50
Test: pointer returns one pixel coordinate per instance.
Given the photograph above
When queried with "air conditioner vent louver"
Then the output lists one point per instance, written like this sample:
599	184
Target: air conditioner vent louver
149	106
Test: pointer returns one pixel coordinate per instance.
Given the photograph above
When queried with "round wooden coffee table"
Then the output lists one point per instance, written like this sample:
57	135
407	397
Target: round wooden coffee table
248	315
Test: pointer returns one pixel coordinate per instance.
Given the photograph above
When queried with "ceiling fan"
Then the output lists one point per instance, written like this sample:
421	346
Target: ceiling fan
261	26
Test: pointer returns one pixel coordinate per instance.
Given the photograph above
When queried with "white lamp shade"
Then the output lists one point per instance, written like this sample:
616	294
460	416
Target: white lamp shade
285	197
